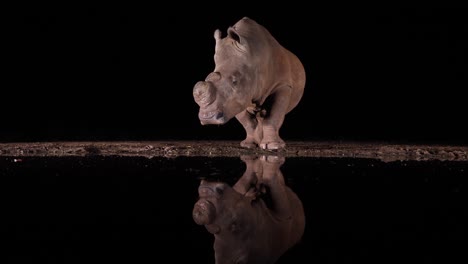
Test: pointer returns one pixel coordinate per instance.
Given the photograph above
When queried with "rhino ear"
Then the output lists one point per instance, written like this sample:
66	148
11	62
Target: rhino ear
239	40
233	34
217	35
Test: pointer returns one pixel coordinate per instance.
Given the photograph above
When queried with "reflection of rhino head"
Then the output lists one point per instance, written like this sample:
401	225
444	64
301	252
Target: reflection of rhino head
230	217
247	227
220	207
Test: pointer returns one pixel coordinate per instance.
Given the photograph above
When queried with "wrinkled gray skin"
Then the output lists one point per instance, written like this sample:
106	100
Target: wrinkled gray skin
246	228
255	79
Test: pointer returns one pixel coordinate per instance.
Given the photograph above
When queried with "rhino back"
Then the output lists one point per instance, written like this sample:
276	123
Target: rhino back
274	64
297	78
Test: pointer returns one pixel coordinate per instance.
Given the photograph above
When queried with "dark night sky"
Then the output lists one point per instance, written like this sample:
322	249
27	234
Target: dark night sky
127	73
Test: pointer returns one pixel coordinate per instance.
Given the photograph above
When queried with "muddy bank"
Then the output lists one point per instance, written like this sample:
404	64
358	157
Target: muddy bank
381	151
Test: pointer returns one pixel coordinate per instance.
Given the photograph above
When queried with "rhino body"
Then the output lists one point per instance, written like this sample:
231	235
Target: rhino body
248	226
255	79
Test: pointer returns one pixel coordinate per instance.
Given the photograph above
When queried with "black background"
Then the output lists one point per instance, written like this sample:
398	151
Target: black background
127	72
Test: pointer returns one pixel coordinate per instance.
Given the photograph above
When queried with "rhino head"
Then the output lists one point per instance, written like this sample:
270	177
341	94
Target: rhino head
229	89
220	97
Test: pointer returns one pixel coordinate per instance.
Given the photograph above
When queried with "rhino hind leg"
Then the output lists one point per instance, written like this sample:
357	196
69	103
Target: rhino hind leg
253	129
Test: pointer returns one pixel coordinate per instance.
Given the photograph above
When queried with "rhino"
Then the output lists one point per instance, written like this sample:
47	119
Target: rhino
256	220
255	79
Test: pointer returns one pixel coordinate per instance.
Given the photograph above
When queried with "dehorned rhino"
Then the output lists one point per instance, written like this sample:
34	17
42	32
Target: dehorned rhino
255	221
255	79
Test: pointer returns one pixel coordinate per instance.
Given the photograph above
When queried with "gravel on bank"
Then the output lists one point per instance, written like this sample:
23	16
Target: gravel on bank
381	151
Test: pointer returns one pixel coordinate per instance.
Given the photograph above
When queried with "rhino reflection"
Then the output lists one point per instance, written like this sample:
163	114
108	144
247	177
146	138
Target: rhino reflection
257	219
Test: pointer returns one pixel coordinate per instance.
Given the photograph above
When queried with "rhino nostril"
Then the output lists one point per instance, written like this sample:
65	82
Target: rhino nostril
219	115
219	190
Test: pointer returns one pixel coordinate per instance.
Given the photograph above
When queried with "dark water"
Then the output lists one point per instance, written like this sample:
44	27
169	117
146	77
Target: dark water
139	210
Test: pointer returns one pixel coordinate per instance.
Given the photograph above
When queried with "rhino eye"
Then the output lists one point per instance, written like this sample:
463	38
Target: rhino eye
235	227
234	80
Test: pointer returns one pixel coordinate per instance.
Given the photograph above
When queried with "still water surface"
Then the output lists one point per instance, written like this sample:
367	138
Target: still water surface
265	209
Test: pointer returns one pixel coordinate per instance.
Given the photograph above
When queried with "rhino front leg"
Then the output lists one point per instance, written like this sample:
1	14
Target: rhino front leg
277	107
252	129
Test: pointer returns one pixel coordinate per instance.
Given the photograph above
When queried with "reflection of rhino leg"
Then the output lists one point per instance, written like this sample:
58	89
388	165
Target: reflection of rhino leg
274	119
250	124
249	183
274	180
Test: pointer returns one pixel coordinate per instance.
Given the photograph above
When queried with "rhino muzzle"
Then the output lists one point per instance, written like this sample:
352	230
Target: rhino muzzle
204	93
211	117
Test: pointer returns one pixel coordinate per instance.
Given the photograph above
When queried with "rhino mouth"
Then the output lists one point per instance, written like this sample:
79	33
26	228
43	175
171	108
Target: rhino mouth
211	117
